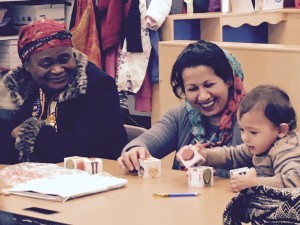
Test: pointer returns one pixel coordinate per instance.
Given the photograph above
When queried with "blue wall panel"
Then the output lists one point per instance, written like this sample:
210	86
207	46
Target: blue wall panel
187	30
246	33
190	30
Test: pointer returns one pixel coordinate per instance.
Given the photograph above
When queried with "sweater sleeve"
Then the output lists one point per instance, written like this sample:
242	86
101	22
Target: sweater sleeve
286	165
161	139
229	157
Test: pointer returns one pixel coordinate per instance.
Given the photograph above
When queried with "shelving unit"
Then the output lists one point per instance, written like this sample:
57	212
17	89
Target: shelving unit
14	1
271	26
23	12
270	37
4	38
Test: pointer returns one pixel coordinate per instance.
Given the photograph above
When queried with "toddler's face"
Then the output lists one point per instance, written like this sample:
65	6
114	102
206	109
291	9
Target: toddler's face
257	131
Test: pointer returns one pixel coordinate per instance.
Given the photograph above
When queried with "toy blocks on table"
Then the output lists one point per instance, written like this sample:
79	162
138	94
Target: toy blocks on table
91	165
74	162
200	176
150	168
189	155
239	171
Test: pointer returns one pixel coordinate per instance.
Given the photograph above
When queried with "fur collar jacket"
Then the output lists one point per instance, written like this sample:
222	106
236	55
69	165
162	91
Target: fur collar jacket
88	119
17	85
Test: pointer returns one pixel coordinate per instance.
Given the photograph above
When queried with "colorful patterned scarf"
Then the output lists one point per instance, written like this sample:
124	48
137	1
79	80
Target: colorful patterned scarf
224	131
43	107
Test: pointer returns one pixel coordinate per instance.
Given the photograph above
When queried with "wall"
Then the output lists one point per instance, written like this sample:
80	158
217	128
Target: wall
261	63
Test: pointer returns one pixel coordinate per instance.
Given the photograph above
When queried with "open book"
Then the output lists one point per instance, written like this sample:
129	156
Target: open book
66	187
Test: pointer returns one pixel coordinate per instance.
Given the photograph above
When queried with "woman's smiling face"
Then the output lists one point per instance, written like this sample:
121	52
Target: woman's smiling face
205	91
52	68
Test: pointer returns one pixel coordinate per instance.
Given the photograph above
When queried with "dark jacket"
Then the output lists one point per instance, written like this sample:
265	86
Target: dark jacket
89	120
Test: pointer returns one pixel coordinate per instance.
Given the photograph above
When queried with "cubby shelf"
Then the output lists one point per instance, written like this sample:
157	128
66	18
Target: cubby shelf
271	26
4	38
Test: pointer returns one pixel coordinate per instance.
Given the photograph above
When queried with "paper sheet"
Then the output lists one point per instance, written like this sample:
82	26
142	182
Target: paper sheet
67	186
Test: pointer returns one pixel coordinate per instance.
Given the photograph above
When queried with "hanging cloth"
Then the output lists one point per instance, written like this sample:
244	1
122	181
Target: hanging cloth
189	6
132	66
133	28
111	12
85	35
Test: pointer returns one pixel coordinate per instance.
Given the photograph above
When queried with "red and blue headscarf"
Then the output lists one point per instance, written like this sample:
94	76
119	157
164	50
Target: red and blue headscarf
41	35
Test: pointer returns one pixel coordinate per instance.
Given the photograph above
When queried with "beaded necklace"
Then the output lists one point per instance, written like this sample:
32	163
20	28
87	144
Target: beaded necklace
52	109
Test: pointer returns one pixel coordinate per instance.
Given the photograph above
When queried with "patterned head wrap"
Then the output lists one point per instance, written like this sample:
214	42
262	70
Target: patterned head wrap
41	35
224	132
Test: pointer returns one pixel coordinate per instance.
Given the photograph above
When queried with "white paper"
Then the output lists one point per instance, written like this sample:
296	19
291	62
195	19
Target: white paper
67	186
241	6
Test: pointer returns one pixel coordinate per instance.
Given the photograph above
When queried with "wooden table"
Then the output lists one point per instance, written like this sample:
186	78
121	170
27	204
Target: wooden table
134	204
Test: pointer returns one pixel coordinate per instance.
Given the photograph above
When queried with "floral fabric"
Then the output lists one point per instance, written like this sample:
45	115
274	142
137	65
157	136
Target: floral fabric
132	66
85	35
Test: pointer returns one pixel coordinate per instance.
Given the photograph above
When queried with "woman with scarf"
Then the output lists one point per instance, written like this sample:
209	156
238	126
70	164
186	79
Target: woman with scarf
62	105
210	79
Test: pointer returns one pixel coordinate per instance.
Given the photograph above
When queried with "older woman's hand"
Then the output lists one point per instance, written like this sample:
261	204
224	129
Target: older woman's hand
131	158
15	131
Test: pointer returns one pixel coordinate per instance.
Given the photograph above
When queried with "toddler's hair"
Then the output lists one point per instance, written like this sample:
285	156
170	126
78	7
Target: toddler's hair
273	101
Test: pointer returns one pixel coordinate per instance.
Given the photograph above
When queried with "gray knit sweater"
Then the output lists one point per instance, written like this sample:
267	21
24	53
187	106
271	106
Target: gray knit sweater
278	167
172	132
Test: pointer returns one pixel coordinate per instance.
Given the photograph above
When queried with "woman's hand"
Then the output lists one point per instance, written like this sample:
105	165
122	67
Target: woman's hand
131	158
15	131
240	182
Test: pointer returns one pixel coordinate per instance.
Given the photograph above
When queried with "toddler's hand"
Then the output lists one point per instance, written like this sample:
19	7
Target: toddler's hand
201	149
240	182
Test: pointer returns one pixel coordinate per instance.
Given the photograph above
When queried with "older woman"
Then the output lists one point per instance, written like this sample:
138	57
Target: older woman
210	79
63	104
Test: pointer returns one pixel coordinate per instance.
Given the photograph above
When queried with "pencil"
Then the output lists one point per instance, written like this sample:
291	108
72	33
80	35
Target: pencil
183	194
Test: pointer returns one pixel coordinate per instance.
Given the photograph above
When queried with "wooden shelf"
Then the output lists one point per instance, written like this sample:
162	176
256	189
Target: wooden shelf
270	26
4	38
14	1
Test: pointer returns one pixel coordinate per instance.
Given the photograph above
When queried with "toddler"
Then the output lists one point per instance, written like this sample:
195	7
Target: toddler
270	146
